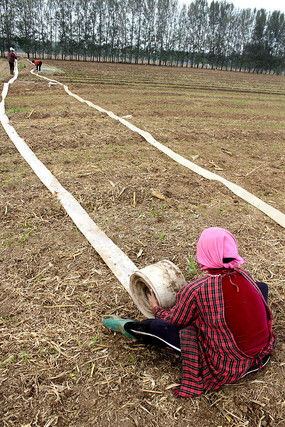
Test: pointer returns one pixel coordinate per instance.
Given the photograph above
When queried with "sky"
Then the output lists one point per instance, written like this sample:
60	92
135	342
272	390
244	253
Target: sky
269	5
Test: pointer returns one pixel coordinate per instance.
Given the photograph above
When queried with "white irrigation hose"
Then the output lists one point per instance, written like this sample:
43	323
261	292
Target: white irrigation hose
116	260
269	210
164	283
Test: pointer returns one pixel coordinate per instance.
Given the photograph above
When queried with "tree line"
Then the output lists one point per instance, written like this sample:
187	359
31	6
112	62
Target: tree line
161	32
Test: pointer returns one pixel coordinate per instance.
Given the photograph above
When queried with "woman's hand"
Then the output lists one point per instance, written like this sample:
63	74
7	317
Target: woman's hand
152	301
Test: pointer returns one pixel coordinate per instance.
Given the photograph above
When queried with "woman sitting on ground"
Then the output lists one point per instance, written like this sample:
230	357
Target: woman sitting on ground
221	324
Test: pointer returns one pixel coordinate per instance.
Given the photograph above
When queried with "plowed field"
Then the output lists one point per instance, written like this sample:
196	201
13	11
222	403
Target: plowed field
58	365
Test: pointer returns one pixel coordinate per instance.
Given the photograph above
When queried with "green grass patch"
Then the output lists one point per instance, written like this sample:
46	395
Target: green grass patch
160	236
8	182
25	235
17	110
191	269
276	126
21	66
10	360
7	242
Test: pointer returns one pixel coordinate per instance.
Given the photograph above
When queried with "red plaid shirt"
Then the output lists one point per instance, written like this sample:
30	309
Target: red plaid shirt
210	355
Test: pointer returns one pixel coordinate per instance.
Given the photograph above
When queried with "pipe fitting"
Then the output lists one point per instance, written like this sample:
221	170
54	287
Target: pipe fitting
163	278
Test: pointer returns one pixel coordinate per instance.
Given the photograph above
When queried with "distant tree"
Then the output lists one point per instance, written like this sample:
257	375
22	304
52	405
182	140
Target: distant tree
165	29
257	50
160	32
198	26
214	35
227	27
241	36
26	21
275	39
7	25
149	29
233	41
138	31
181	38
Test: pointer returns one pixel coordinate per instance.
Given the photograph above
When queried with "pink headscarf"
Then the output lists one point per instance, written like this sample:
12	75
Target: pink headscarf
215	244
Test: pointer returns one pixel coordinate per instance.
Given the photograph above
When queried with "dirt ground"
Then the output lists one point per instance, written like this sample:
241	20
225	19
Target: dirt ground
58	365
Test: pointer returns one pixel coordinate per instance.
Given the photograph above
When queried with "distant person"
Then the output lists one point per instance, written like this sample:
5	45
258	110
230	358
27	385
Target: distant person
38	64
12	58
220	324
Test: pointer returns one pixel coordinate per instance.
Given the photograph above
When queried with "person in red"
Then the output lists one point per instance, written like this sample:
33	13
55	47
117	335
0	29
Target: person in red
11	59
220	324
38	64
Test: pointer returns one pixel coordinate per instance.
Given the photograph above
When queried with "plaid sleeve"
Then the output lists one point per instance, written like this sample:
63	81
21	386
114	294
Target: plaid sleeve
184	310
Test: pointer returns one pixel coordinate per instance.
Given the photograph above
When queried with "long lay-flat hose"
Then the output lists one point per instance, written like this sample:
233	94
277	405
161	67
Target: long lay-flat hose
164	278
250	198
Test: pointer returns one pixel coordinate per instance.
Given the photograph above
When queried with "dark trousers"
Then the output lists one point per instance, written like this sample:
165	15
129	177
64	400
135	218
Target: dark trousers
39	65
156	332
161	333
11	65
263	287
